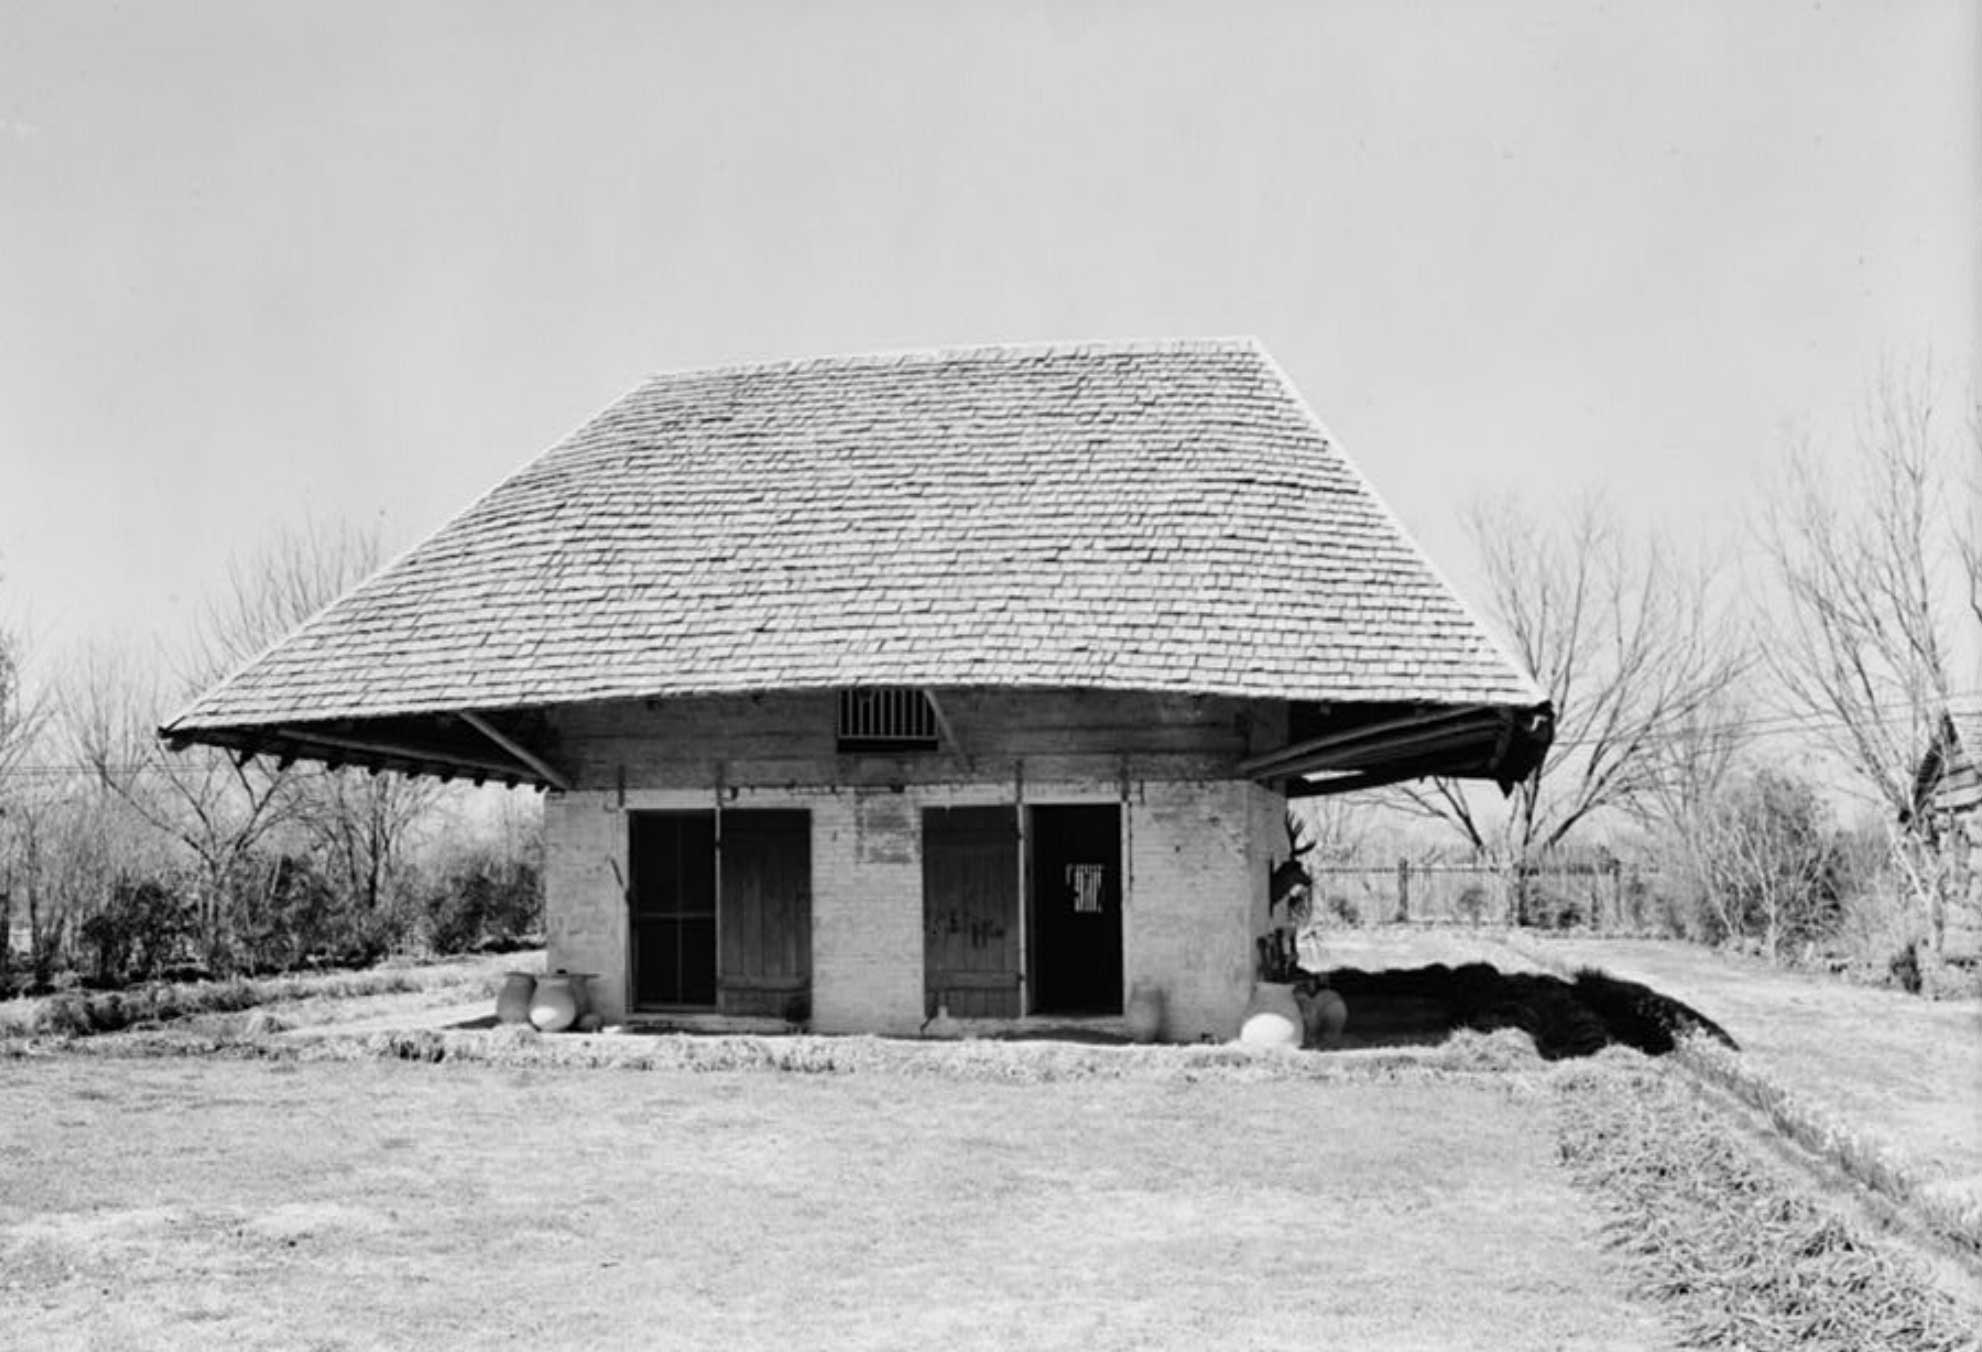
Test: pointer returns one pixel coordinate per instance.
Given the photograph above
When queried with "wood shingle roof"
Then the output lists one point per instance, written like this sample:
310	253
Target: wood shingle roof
1148	516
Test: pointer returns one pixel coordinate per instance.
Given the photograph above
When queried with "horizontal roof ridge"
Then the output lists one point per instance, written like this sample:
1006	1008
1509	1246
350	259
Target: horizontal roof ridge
1022	350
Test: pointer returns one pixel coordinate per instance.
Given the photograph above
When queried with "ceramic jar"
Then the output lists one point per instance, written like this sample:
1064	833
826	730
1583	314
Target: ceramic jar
1324	1015
513	1000
1143	1015
1272	1017
559	1002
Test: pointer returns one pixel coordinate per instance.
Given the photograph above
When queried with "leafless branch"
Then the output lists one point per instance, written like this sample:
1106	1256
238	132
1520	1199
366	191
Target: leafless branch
1630	647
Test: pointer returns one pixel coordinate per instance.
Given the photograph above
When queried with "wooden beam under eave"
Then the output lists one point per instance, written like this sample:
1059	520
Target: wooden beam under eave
1358	740
315	745
523	754
1354	780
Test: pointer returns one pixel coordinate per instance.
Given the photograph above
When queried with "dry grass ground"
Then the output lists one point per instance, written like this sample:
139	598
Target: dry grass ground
1741	1252
215	1202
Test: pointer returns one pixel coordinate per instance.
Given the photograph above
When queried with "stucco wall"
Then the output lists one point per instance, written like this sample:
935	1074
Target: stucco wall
1196	839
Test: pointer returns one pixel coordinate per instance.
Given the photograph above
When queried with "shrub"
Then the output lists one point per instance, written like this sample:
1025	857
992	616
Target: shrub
144	925
65	1015
1905	969
482	898
289	913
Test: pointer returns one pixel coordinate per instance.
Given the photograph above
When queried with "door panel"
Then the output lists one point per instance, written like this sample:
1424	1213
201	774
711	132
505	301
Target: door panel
970	915
1076	909
766	912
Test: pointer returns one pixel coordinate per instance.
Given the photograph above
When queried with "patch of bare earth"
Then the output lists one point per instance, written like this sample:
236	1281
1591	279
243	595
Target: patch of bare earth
216	1202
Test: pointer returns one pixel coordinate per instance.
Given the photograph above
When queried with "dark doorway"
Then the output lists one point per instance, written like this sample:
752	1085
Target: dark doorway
752	954
672	908
1076	910
970	911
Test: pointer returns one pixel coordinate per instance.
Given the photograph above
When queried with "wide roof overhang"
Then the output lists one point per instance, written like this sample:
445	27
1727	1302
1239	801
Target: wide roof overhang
1343	748
493	746
1369	748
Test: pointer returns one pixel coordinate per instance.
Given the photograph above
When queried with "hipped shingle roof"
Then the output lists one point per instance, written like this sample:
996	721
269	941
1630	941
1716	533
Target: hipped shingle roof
1163	517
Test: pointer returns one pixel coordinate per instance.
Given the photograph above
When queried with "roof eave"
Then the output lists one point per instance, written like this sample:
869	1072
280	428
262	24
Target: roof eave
1503	744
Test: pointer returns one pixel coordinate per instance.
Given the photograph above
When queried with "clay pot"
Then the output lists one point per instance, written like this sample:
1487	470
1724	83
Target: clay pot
1272	1017
1143	1015
559	1001
513	1000
1323	1017
942	1025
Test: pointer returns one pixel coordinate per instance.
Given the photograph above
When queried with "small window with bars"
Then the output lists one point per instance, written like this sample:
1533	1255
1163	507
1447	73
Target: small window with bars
887	718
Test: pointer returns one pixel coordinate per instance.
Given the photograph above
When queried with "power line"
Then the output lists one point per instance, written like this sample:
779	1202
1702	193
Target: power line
1767	723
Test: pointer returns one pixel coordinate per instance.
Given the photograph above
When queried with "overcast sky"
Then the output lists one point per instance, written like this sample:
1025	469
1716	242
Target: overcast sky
266	263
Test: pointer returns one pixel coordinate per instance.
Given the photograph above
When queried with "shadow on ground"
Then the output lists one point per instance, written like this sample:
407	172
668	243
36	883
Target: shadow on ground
1422	1006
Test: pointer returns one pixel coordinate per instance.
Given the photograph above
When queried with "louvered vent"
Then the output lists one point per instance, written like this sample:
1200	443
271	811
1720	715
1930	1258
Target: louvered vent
889	718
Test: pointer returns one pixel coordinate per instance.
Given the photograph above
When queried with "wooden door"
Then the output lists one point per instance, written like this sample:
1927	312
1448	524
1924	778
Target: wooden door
671	906
1076	910
766	913
970	911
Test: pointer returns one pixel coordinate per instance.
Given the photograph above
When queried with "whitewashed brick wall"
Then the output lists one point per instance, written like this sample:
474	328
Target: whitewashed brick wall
585	919
1198	847
866	913
1187	920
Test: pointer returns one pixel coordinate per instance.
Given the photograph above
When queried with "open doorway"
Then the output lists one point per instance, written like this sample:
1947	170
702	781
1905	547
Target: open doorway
1076	929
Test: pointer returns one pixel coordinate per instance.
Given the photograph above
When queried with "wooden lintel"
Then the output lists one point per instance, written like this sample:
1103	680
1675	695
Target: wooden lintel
528	758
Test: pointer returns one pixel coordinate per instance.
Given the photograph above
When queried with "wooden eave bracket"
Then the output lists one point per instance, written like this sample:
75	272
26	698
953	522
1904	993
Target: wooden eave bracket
942	721
526	757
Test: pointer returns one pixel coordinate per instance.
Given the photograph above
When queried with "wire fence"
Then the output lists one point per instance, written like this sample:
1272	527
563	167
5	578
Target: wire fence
1602	897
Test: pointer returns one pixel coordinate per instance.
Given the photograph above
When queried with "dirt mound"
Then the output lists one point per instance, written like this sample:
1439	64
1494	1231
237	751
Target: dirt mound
1565	1018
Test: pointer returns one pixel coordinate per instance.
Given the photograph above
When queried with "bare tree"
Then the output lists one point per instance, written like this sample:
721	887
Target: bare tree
1881	579
1631	650
23	715
1775	861
70	844
359	822
223	808
1684	811
218	807
294	574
